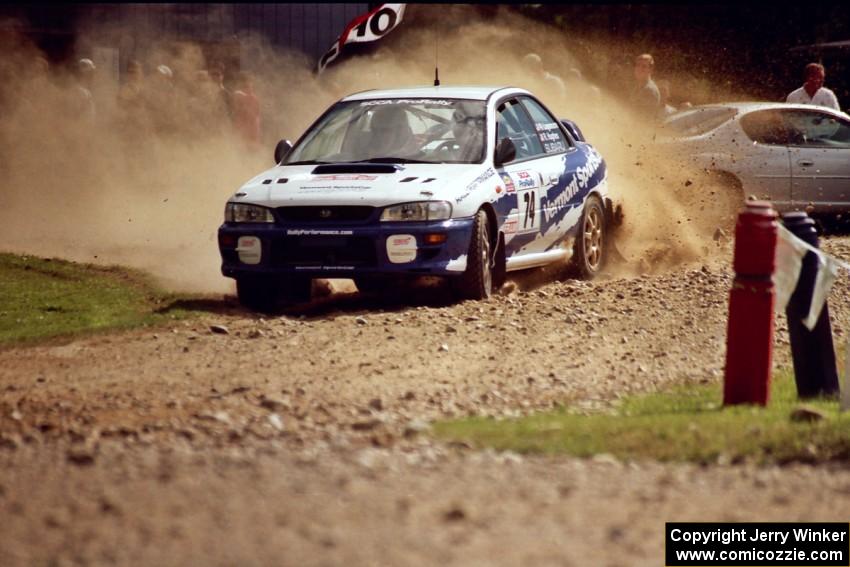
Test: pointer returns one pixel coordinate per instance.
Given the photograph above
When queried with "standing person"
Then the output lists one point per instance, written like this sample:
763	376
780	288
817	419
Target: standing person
644	96
37	91
161	101
534	64
580	86
216	73
130	93
84	100
131	102
246	111
813	92
665	109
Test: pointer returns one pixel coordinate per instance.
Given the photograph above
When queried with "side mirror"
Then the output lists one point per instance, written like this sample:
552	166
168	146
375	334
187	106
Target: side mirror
281	149
573	129
505	152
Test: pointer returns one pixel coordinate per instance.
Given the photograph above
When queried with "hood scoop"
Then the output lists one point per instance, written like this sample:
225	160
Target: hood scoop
357	168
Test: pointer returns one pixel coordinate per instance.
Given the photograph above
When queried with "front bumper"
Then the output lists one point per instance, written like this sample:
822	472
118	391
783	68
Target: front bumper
340	250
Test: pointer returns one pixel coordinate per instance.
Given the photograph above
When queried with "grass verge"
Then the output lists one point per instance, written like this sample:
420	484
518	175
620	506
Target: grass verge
685	424
41	298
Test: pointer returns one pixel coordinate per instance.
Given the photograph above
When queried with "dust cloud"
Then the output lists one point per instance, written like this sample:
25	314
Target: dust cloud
143	183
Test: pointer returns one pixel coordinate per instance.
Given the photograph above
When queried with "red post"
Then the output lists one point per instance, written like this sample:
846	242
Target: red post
749	337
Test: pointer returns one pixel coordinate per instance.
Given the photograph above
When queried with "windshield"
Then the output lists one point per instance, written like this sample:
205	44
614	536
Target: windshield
396	131
699	120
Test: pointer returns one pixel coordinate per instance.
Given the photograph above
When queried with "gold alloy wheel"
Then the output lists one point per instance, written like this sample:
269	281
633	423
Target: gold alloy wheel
487	275
593	238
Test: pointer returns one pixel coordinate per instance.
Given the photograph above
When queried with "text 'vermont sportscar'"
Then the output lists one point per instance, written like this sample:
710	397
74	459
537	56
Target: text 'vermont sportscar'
465	183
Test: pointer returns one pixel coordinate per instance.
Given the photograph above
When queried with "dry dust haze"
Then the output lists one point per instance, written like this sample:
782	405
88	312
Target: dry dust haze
147	190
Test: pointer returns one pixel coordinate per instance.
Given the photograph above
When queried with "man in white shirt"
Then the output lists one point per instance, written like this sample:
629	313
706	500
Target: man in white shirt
645	96
813	91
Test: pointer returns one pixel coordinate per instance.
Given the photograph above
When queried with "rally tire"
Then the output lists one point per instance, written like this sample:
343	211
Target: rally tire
477	281
589	252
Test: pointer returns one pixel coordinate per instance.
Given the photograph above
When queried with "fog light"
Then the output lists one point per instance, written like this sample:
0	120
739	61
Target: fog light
250	249
401	248
434	238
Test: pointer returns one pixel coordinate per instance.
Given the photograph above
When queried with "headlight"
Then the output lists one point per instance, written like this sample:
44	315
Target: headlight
237	212
419	211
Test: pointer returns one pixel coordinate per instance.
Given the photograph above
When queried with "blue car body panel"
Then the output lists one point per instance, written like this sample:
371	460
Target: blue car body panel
346	250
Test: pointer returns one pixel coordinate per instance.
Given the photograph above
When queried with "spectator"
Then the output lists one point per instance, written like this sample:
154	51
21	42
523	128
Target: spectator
246	111
217	76
84	101
130	93
534	64
813	92
41	69
644	96
581	87
33	92
207	106
39	81
665	109
131	101
161	100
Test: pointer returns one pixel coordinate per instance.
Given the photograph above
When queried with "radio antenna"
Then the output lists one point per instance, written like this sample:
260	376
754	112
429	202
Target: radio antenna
437	61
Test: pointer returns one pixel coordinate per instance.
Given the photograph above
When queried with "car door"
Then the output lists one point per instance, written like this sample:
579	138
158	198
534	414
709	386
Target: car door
522	177
763	163
820	160
558	167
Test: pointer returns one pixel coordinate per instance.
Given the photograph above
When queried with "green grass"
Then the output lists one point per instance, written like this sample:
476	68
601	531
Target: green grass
43	298
686	424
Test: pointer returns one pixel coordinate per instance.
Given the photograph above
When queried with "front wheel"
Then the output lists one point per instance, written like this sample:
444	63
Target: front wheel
589	251
477	281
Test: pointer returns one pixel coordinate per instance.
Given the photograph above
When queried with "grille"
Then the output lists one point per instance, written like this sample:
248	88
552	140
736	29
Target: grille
324	214
324	251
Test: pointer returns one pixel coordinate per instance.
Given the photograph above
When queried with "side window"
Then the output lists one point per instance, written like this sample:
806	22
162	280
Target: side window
547	128
512	122
818	129
768	127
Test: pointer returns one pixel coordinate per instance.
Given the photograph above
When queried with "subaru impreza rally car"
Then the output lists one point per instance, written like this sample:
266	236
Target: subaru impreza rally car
465	183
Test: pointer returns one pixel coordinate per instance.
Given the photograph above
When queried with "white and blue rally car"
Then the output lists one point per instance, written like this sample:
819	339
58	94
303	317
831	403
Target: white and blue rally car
465	183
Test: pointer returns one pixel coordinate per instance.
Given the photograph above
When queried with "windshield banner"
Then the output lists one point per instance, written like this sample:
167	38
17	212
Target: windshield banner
364	29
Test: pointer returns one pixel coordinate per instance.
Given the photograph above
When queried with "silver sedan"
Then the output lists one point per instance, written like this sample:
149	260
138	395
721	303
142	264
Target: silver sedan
797	156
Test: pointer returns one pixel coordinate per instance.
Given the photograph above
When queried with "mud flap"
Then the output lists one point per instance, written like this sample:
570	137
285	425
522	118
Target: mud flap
498	263
614	217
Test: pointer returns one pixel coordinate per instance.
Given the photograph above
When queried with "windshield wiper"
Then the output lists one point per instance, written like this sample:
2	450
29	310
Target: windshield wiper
390	160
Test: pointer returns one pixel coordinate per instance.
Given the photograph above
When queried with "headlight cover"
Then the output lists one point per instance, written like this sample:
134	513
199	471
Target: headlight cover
239	212
418	211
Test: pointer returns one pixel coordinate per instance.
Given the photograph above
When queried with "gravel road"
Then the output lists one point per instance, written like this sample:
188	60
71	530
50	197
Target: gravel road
302	438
